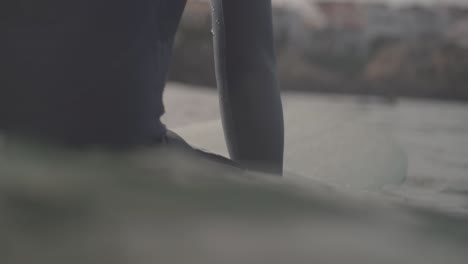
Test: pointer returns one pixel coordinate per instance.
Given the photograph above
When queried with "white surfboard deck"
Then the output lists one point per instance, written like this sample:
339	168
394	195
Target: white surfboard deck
333	140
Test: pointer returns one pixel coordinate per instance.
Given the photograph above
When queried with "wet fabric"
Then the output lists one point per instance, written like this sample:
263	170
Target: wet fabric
85	72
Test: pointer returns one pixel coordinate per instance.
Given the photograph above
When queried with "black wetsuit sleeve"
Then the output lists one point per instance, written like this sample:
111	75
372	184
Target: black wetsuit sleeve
247	82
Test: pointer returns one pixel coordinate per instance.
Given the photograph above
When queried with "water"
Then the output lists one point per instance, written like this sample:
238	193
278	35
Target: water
421	145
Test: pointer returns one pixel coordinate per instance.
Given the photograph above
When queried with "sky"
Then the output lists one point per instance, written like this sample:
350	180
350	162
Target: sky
398	2
426	1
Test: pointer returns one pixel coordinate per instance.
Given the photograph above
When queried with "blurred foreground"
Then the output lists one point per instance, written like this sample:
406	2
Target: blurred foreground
163	206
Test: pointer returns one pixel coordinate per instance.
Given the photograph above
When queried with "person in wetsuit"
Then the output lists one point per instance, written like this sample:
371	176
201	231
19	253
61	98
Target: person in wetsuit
91	73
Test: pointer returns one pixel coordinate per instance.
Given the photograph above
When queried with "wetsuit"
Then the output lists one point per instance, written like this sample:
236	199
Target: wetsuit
92	72
86	72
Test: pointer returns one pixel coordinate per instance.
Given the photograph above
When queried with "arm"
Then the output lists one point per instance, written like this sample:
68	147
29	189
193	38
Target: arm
246	75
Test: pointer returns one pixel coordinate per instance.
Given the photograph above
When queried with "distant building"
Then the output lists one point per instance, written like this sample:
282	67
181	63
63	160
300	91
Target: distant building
304	10
457	13
458	33
421	22
383	22
294	21
197	13
386	23
345	23
342	15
